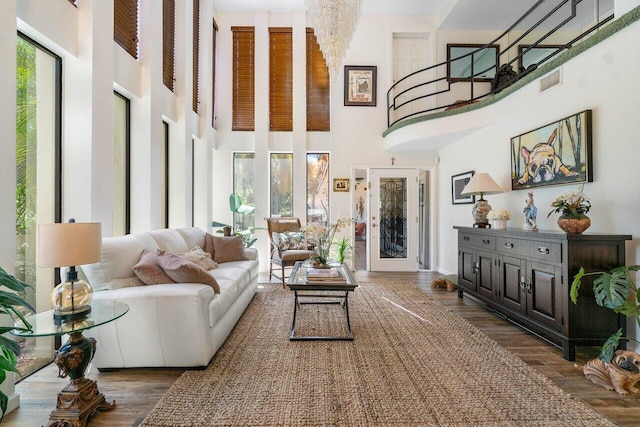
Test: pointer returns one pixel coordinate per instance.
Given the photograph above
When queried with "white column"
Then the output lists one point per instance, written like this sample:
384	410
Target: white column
300	116
88	124
8	66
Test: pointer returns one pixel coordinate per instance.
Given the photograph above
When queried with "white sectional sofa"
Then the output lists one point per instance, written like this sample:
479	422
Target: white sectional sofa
168	325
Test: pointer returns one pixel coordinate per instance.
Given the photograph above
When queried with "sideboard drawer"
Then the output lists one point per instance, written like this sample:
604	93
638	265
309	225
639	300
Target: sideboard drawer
477	241
545	251
511	246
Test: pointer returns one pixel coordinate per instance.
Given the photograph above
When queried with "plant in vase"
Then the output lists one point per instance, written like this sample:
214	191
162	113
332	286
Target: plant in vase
321	236
574	206
499	218
345	250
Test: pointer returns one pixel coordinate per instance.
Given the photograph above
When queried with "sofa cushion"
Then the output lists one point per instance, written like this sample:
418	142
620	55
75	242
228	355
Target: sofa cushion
119	255
183	271
149	271
241	272
169	240
228	248
200	258
222	301
193	236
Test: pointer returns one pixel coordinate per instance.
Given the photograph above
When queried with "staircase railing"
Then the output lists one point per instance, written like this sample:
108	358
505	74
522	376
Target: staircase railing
405	96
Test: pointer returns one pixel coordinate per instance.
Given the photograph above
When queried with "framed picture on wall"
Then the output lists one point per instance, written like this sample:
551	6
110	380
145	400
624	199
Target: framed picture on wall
554	154
458	182
360	85
340	184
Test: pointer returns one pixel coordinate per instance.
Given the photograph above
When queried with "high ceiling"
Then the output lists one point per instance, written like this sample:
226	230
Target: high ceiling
453	14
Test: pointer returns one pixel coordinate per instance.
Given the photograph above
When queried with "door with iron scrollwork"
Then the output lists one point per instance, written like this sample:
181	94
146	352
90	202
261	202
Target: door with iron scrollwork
393	219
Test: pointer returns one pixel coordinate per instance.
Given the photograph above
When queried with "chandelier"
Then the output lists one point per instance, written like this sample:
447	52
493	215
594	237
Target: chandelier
334	22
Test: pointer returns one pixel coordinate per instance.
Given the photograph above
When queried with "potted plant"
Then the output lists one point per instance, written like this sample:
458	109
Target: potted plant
236	206
615	290
10	301
573	208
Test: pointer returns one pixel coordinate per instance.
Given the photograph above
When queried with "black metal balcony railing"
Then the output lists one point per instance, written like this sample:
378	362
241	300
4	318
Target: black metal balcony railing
407	100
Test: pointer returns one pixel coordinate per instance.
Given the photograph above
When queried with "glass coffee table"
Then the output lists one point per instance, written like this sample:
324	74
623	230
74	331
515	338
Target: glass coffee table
80	399
334	284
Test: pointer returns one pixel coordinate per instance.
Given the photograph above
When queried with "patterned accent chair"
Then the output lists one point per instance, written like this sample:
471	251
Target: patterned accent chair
286	248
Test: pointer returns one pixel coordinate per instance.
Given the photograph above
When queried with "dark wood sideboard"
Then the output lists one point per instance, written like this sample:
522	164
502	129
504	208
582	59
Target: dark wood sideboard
526	276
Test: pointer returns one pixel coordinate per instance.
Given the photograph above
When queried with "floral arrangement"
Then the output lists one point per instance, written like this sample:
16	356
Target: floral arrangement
322	237
572	205
499	214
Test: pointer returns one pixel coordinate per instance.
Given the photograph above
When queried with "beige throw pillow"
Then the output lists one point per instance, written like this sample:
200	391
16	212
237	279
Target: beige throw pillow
148	270
228	249
200	258
183	271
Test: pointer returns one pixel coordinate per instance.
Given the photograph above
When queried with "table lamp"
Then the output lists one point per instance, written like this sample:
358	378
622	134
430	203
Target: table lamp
68	245
481	183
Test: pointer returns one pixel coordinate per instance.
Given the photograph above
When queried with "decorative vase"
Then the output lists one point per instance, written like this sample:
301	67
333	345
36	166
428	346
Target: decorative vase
498	224
317	264
572	225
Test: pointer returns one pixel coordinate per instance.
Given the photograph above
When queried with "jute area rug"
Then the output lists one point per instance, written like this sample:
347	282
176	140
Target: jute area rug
413	363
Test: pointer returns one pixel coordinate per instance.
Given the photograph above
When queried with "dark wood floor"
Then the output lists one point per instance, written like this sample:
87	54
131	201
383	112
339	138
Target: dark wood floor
136	391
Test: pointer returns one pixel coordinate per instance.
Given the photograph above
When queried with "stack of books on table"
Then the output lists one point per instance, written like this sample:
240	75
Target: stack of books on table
318	275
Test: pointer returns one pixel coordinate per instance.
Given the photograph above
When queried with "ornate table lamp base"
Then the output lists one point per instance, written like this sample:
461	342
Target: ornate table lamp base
78	401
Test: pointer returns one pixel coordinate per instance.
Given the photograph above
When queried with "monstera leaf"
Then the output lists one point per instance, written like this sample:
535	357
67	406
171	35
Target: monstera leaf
612	289
608	349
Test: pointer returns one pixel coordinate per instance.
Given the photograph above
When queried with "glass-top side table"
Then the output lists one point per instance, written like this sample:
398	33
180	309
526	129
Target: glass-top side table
80	399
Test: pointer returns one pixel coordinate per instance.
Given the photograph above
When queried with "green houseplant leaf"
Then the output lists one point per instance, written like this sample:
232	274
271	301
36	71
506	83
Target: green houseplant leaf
609	347
612	289
9	349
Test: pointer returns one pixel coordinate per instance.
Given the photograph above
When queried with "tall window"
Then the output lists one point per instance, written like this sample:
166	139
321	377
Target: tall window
243	185
121	138
168	42
38	182
196	52
214	48
280	80
317	187
318	87
164	195
281	191
125	25
243	78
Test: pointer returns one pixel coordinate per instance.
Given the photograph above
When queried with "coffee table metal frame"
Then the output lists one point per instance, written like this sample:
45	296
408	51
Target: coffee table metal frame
301	288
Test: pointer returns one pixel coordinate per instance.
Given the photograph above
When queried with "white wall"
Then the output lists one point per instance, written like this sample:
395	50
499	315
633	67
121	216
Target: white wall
602	79
356	132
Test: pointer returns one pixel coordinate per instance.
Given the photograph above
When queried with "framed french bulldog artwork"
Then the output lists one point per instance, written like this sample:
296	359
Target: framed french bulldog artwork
558	153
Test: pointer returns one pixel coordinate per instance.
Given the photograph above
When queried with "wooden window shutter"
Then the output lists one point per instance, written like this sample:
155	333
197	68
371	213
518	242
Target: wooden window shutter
318	87
280	79
168	42
243	78
125	25
214	46
196	52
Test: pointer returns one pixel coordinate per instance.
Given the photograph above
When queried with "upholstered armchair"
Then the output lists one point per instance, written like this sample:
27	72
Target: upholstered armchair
288	245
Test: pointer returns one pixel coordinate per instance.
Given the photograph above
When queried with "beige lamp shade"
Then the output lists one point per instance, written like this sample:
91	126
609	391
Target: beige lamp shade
481	183
69	243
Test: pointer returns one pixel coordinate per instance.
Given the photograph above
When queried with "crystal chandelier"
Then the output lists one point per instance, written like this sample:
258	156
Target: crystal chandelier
334	22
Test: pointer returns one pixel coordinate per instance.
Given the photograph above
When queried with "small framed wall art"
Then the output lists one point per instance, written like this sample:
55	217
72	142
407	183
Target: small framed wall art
458	182
341	184
360	85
